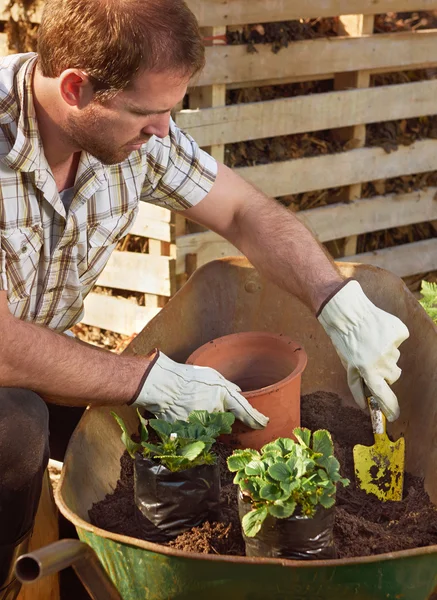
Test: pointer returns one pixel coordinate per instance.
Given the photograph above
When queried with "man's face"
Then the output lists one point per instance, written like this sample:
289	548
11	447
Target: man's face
113	130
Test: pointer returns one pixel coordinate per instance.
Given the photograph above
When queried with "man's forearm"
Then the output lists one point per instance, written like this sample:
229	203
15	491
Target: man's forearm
62	370
283	249
271	237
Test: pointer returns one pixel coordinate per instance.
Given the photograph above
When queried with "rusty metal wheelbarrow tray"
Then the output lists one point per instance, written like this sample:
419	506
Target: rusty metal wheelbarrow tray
224	297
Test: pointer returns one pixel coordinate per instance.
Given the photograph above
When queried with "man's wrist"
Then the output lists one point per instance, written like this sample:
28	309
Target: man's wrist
332	290
153	357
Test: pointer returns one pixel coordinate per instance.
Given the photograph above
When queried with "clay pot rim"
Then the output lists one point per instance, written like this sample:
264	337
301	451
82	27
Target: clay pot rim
302	357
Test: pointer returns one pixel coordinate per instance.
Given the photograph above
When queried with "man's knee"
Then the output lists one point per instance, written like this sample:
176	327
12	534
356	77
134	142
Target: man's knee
24	434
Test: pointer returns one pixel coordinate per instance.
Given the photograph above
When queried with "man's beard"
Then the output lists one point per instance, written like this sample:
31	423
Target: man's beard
88	134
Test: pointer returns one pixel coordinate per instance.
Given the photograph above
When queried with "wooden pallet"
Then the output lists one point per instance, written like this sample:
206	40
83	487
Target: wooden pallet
349	59
152	274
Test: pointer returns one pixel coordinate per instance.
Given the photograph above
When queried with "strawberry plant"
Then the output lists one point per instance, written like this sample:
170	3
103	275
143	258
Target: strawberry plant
182	444
429	299
287	477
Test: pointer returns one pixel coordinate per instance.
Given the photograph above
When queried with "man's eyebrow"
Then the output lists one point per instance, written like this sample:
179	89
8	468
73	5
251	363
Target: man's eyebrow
143	111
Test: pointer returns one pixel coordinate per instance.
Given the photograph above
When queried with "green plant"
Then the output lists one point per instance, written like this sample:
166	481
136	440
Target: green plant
286	476
429	299
183	444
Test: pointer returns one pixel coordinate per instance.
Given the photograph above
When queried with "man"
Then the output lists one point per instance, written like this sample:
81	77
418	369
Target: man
85	136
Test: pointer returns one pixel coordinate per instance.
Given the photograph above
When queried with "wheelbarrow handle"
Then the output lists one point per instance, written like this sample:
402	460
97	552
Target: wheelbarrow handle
68	553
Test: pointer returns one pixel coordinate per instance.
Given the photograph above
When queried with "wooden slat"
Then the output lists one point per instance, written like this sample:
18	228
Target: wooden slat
311	58
363	216
116	314
353	26
138	272
404	260
214	13
237	12
153	222
315	112
4	46
344	168
328	223
210	96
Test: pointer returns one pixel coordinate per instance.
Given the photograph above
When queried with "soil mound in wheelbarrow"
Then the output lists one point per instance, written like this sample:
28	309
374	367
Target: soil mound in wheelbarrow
363	525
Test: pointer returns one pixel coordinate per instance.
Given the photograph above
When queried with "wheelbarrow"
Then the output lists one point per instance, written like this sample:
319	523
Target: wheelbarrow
229	296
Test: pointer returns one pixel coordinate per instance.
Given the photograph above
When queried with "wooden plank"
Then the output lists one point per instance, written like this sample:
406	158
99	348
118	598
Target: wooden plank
344	168
210	96
238	12
45	531
137	272
214	13
404	260
156	213
328	223
315	112
116	314
374	214
354	26
206	246
157	230
311	58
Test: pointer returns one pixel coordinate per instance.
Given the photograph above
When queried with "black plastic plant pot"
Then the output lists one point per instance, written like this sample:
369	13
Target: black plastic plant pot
174	502
297	538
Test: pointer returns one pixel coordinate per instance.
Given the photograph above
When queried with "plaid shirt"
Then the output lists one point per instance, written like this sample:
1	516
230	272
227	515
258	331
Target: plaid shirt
50	259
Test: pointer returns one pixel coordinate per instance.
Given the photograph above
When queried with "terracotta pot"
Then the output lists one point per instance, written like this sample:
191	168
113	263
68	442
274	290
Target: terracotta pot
268	369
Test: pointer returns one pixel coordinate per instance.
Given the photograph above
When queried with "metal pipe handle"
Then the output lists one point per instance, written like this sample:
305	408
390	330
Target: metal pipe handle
68	553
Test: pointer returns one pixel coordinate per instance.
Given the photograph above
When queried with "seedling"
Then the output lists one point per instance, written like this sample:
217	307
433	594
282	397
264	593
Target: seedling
287	477
183	444
429	299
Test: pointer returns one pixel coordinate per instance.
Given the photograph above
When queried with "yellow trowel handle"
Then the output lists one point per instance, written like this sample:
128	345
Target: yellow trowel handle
378	418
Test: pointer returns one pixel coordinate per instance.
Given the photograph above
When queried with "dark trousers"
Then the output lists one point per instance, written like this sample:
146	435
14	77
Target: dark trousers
24	454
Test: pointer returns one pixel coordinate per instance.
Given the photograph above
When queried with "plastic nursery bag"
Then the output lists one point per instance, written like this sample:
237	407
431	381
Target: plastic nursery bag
174	502
297	538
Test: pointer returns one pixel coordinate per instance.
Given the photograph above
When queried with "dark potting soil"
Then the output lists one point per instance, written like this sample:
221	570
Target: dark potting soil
363	524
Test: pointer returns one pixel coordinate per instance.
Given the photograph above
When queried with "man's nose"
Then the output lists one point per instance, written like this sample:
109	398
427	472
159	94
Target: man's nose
160	126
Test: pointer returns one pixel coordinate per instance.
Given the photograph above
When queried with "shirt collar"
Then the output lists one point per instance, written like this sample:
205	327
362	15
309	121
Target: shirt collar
26	153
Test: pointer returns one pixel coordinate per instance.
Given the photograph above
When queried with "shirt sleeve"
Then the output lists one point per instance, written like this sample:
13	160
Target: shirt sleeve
178	173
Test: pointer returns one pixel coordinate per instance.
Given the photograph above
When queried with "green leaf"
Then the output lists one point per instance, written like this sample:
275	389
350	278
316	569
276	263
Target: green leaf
286	445
253	520
192	451
332	466
289	486
282	510
173	463
279	472
152	448
271	492
131	446
252	486
144	434
272	448
303	435
326	500
322	443
255	467
199	416
162	428
240	458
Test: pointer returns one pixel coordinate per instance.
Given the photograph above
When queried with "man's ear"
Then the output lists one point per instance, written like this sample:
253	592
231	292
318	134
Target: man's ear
75	88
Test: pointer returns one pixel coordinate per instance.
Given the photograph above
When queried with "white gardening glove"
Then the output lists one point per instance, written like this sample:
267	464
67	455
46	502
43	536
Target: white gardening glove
366	339
172	391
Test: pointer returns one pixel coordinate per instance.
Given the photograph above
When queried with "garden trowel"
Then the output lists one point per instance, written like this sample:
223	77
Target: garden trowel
379	469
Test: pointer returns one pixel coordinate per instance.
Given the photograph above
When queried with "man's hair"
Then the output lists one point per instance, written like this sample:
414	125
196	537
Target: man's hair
113	40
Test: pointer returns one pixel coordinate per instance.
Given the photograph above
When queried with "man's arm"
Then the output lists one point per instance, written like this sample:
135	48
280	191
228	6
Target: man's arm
271	237
58	367
365	337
